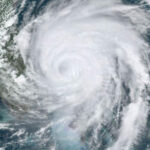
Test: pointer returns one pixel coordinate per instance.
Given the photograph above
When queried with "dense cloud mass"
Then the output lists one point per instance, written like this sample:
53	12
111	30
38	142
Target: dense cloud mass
85	83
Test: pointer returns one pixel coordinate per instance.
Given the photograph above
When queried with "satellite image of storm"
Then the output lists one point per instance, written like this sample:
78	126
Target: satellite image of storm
74	74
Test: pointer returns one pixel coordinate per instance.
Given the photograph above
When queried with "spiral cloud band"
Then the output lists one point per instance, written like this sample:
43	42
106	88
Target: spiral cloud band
88	60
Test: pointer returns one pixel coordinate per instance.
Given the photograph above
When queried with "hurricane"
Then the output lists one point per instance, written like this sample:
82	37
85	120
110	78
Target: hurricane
74	75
